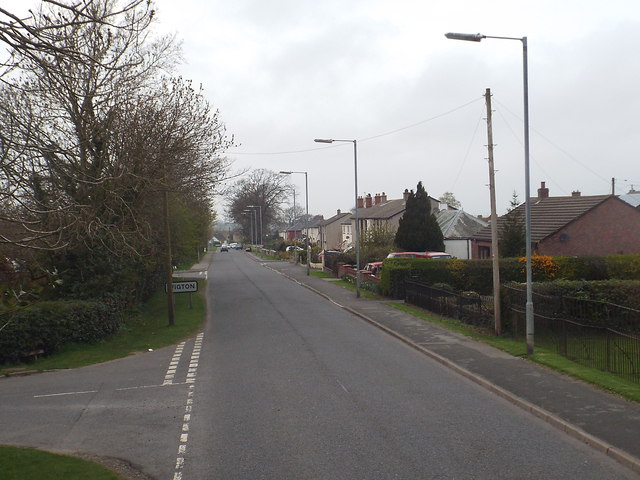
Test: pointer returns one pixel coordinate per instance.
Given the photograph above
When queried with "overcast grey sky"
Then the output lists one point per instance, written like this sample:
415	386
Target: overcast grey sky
283	72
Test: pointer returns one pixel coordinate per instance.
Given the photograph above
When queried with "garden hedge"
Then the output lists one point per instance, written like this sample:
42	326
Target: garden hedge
47	326
477	276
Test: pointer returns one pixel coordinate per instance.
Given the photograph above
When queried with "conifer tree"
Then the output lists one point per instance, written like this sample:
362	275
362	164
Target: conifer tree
512	232
418	230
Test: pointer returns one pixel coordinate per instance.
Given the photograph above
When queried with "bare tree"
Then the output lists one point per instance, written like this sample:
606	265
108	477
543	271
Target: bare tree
40	33
59	161
261	187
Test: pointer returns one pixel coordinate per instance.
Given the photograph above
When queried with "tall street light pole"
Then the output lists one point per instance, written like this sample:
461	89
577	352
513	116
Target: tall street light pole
259	207
254	224
306	220
357	232
250	212
477	37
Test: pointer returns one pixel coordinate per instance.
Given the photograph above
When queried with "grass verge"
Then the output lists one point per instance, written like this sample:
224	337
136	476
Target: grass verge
322	274
29	464
363	293
598	378
145	329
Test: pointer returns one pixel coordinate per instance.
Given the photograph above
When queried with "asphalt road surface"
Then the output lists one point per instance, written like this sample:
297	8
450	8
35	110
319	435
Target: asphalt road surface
283	384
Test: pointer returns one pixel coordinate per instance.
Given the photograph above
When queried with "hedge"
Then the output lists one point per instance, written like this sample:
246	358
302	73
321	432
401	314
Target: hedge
47	326
477	275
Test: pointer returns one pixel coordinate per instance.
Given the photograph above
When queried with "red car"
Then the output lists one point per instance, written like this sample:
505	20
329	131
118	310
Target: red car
419	255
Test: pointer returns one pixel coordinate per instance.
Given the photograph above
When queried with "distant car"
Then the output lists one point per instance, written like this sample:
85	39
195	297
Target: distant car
248	249
224	248
419	255
294	248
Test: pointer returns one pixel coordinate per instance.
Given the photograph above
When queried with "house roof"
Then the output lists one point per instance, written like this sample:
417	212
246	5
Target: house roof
458	224
336	218
383	211
300	225
631	198
548	215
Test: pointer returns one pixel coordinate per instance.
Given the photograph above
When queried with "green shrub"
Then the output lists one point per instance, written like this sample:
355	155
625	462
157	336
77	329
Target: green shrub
477	275
47	326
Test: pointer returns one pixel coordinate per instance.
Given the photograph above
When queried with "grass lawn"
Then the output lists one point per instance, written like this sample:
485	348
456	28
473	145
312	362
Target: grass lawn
603	380
28	464
145	329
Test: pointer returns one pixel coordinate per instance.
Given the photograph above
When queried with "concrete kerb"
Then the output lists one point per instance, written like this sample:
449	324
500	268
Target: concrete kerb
577	433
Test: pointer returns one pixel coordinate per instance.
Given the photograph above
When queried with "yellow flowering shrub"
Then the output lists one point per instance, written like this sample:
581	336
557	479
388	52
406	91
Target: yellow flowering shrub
543	267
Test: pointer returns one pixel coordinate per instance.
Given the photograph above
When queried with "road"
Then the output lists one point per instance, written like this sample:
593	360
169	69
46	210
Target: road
283	384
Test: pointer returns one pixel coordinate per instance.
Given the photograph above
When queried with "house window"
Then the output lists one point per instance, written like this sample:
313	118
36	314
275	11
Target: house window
484	252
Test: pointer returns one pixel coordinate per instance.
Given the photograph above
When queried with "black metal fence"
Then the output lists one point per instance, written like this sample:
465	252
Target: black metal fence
596	334
471	309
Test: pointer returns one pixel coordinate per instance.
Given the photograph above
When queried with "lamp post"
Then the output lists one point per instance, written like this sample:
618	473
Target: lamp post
259	207
477	37
248	212
357	232
306	219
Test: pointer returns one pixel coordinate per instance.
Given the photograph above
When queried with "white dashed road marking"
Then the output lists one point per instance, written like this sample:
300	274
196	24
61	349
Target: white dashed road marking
184	434
171	371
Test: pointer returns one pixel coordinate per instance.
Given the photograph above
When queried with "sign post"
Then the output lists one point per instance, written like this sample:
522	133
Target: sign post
189	287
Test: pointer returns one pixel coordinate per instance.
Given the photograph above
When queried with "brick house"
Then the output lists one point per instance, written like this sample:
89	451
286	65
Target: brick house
575	226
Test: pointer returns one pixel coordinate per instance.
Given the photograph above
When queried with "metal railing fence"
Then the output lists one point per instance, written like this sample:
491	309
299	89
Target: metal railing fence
599	335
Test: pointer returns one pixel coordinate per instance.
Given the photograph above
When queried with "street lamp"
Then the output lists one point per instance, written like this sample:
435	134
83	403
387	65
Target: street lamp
357	232
249	212
259	242
306	220
476	37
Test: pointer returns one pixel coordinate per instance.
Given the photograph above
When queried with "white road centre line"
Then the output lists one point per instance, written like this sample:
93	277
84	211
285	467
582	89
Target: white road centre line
184	435
65	393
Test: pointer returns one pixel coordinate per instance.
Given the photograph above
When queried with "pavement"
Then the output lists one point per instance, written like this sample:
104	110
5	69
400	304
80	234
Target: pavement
604	421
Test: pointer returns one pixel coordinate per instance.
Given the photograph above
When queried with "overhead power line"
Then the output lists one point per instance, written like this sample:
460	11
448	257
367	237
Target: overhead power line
391	132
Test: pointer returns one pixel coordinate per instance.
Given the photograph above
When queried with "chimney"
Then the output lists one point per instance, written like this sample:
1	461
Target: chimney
368	201
376	199
576	193
360	202
383	198
339	212
543	192
405	195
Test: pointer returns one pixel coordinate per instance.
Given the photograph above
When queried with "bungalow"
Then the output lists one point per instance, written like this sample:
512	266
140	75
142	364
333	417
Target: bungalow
575	225
459	230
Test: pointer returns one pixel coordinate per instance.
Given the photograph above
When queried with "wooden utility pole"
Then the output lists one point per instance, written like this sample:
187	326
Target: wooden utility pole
167	250
494	222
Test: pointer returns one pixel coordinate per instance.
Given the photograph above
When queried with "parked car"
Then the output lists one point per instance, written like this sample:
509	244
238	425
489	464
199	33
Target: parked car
374	268
224	248
294	248
419	255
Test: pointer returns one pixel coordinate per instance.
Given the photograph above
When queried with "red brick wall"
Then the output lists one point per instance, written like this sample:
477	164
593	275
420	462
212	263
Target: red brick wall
613	227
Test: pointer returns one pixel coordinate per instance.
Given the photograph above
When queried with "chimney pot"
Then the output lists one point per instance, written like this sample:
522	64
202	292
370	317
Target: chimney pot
576	193
406	194
368	201
376	199
543	192
360	202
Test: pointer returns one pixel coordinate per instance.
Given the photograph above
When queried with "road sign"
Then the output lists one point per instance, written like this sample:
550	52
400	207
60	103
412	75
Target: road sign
183	287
